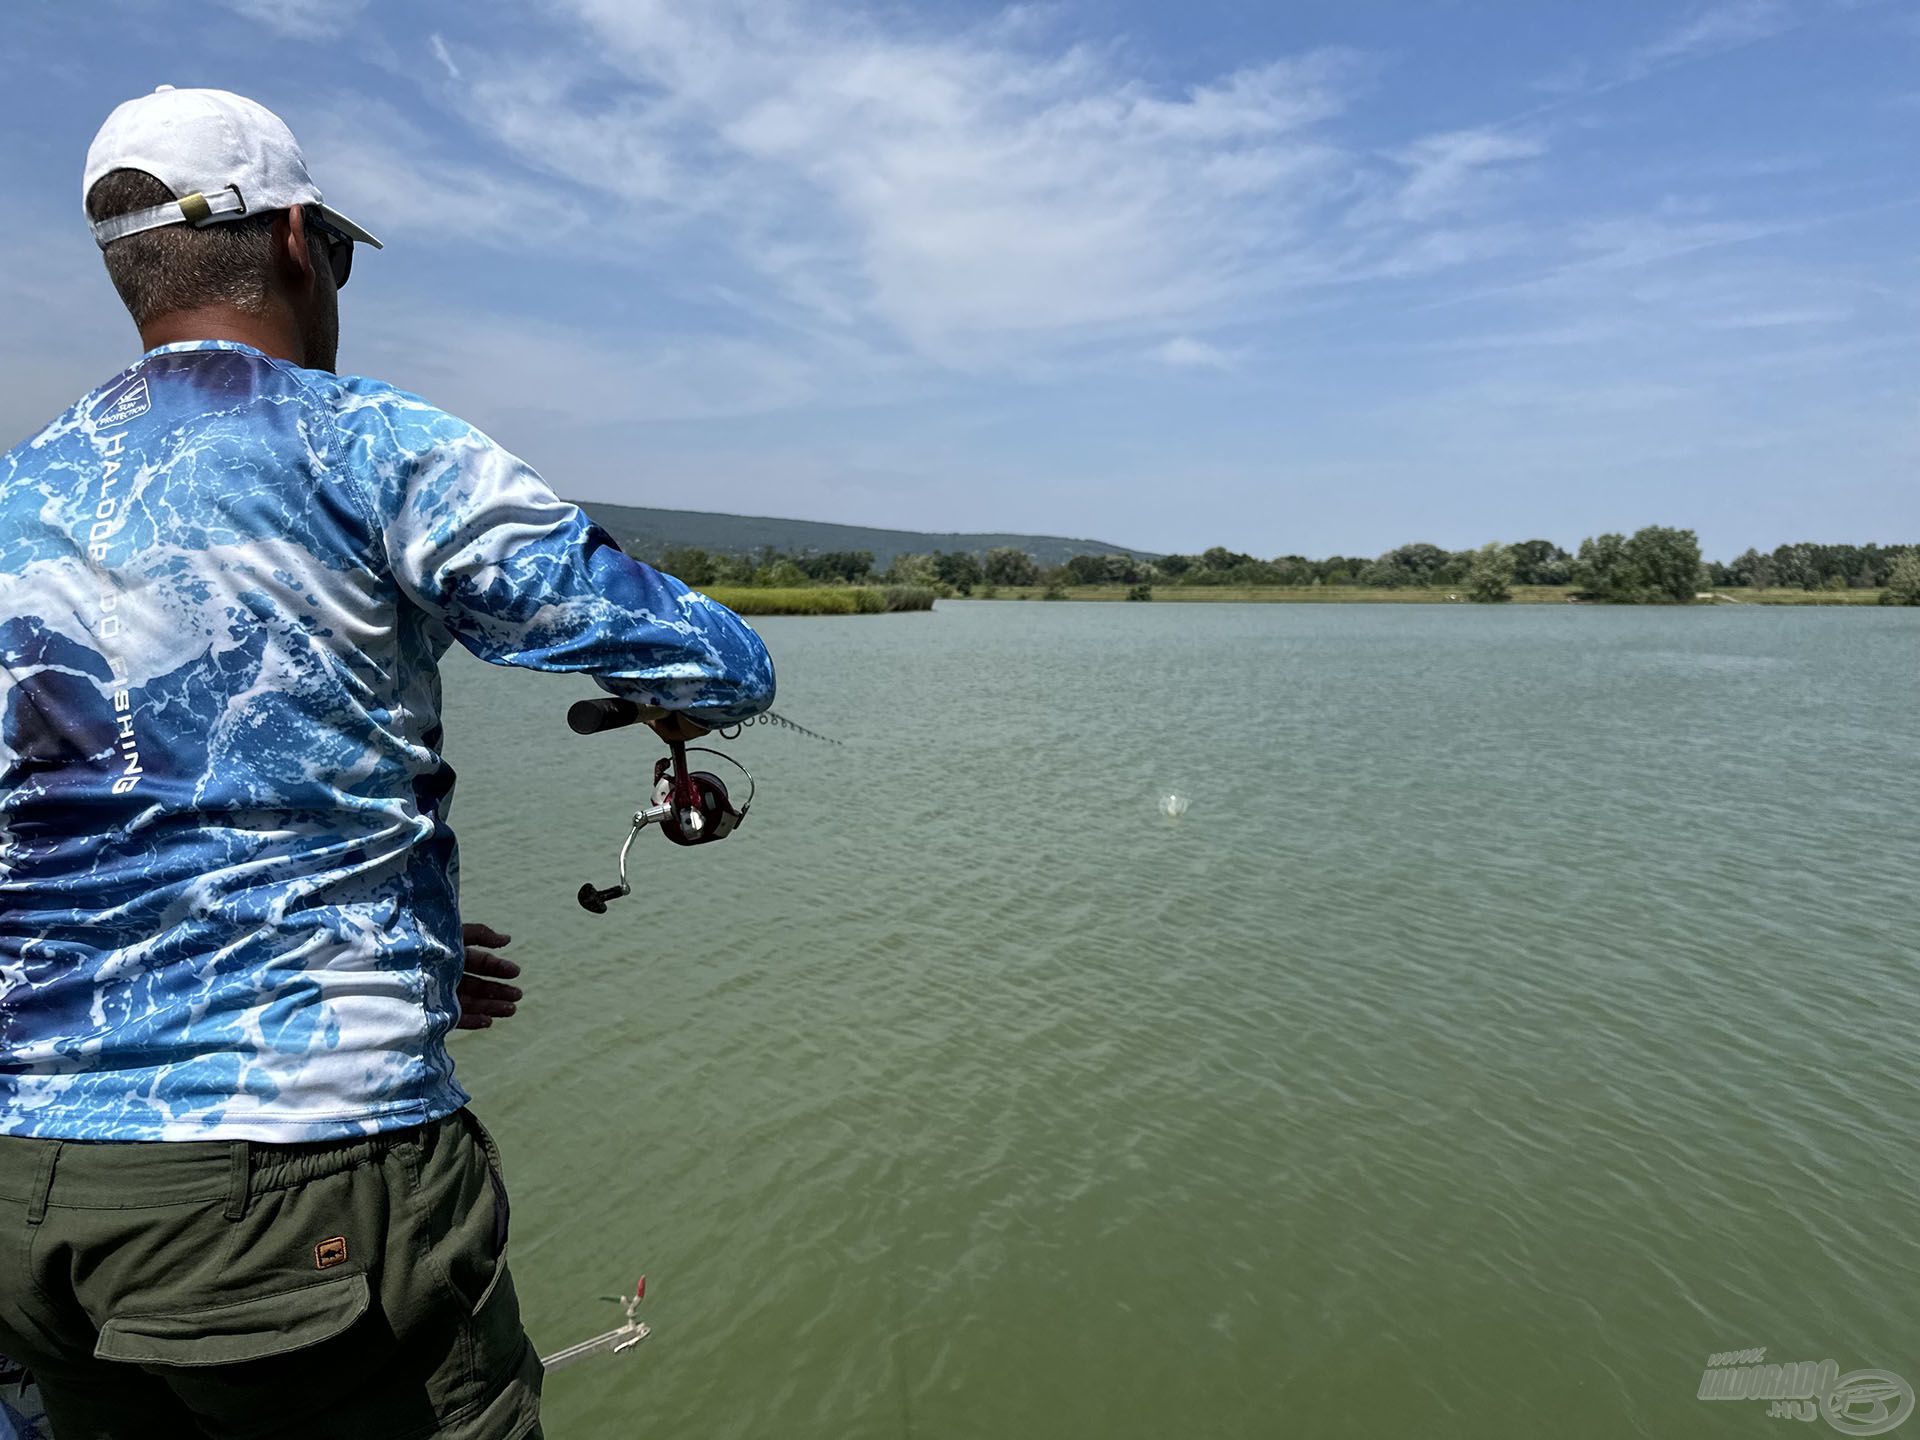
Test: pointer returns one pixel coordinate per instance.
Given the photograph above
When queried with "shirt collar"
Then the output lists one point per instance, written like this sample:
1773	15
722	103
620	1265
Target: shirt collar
181	346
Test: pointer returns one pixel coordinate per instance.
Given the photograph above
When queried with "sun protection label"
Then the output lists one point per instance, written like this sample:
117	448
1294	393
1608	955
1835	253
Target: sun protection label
127	403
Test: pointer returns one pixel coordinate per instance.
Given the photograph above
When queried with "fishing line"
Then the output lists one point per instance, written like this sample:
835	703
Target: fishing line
767	717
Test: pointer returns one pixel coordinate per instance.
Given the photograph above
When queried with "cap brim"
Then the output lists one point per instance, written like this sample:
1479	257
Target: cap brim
347	227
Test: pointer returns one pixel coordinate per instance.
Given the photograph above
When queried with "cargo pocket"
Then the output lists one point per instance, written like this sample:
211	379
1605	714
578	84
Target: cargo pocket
468	1200
240	1331
494	1263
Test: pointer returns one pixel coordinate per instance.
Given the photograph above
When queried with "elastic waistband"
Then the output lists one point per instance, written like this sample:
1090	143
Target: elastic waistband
140	1174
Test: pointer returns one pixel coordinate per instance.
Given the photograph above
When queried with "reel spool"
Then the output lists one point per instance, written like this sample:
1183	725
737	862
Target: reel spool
701	810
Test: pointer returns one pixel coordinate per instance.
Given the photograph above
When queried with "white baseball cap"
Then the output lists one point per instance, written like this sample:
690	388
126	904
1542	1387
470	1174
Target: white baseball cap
224	156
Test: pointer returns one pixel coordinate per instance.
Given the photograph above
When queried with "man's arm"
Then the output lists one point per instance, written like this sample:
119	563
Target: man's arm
475	538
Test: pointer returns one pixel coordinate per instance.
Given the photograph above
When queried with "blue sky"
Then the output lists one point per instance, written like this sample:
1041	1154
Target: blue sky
1323	276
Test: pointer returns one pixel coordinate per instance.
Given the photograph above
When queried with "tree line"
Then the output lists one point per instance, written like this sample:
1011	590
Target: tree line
1654	565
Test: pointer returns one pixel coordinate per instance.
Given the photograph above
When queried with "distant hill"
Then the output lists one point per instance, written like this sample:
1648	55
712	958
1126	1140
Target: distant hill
645	532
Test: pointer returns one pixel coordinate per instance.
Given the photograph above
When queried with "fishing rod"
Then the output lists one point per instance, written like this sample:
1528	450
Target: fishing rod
617	1341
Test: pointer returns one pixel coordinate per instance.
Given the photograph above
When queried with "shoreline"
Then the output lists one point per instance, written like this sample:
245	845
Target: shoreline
1411	595
832	600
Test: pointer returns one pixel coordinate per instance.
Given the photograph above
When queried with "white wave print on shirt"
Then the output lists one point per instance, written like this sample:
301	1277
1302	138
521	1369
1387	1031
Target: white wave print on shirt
259	937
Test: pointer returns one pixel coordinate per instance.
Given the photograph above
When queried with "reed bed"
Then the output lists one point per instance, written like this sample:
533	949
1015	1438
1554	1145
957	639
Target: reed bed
824	599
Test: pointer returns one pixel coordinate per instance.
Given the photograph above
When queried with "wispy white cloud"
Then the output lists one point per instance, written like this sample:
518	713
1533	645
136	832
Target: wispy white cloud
1709	31
1183	352
1447	172
1630	241
1581	330
1774	317
991	196
549	377
1590	255
386	173
970	191
1570	77
438	46
1726	26
301	19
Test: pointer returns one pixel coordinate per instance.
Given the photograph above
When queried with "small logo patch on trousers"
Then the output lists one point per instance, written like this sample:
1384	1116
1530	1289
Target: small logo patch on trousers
330	1252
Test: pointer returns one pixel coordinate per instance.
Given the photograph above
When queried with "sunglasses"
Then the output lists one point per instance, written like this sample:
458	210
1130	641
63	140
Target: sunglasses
339	247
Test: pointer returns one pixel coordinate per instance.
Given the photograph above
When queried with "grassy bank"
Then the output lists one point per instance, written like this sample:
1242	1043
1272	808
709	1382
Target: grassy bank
1410	595
823	599
892	599
1283	594
1801	597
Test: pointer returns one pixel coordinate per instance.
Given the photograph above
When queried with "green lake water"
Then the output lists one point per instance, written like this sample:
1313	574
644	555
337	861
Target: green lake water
1526	1007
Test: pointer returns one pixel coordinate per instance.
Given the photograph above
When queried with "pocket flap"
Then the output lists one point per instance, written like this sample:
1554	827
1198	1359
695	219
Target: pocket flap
242	1330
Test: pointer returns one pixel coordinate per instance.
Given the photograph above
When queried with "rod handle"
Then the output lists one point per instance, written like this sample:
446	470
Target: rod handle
590	717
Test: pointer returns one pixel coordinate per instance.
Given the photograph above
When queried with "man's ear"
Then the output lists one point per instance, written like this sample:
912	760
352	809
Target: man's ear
293	248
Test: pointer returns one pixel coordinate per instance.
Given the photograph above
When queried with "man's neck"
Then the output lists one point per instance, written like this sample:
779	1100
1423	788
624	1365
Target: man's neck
272	334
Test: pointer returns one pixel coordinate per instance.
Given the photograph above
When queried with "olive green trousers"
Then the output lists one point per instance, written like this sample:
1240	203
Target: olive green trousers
226	1290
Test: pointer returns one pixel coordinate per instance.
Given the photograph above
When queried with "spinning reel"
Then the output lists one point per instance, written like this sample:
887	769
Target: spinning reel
691	807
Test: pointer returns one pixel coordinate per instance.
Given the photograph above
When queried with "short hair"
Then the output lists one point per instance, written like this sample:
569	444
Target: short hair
180	267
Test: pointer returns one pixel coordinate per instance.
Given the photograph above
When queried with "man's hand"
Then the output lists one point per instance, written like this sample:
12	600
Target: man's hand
484	1000
675	726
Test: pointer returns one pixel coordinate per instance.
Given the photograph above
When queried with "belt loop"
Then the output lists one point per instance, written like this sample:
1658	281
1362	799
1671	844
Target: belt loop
42	1183
239	1167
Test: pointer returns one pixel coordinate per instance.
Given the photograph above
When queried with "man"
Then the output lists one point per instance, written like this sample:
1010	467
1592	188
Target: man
240	1193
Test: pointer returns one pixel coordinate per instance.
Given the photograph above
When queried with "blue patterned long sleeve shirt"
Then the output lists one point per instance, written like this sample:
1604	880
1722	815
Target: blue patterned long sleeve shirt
228	893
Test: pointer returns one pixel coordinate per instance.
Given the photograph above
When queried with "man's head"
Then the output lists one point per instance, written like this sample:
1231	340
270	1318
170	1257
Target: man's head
211	227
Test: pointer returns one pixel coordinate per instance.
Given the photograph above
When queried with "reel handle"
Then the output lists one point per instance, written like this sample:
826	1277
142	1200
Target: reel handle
594	901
